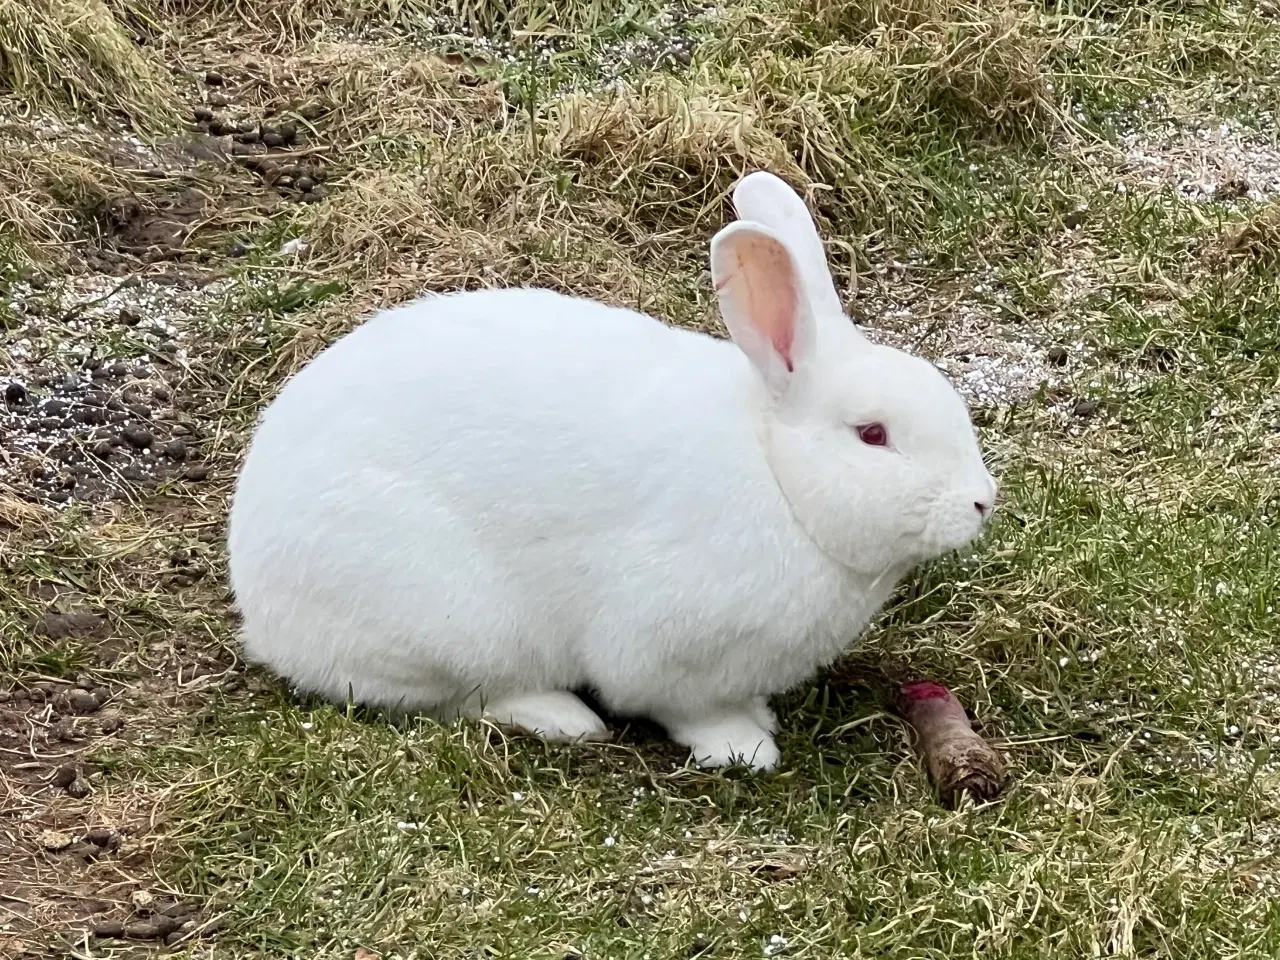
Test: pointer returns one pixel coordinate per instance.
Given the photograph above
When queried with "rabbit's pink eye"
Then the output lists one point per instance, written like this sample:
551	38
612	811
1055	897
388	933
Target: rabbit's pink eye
873	435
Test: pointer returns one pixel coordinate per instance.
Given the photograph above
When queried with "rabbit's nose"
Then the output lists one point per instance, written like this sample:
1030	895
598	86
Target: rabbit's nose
986	502
985	505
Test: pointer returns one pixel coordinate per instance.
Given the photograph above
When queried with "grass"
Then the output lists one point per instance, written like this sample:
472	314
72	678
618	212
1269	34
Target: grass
1115	634
78	55
51	195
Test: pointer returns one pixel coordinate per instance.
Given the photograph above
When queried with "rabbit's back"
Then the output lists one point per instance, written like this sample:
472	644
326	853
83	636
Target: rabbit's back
509	406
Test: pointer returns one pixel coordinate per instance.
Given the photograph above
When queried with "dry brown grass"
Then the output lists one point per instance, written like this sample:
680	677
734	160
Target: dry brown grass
77	196
49	193
76	54
862	17
1256	240
665	137
285	22
989	61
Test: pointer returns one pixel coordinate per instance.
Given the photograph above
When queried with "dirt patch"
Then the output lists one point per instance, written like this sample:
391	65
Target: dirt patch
72	855
160	232
94	404
95	434
966	326
122	203
57	840
75	848
1203	159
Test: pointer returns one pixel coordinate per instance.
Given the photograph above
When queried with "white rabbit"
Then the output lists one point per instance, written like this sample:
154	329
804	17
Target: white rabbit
479	502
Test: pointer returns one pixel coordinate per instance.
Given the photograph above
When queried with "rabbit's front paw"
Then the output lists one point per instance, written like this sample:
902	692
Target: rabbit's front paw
555	715
728	739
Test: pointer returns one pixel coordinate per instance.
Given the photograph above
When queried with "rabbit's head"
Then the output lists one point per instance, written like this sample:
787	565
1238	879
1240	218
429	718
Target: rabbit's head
872	447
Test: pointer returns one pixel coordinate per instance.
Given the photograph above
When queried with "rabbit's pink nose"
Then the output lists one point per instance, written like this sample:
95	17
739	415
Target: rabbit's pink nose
982	508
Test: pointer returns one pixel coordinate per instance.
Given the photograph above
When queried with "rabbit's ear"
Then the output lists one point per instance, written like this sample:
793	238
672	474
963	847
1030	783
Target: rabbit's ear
767	199
762	301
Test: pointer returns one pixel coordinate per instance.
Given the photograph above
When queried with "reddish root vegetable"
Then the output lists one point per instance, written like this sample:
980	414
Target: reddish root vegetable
958	760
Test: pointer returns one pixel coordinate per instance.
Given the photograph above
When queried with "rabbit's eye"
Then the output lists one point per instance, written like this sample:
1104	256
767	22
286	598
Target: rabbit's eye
873	434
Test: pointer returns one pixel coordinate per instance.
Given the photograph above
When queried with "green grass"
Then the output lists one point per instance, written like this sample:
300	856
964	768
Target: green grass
1115	634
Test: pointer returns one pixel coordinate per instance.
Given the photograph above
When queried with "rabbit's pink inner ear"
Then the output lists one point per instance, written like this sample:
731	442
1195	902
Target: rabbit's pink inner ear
760	286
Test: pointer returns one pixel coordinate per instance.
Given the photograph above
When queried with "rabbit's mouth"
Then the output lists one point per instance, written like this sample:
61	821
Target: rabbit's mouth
952	535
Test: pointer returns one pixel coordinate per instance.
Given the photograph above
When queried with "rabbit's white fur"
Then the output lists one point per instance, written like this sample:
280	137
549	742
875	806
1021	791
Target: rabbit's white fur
477	503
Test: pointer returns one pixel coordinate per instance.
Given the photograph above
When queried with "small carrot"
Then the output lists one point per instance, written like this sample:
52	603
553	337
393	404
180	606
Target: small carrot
958	760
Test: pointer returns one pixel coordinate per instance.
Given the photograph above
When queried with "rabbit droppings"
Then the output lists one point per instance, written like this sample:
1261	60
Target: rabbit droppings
477	503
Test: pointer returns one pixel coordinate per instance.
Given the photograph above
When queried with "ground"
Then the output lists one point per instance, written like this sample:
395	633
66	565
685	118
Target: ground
1073	207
